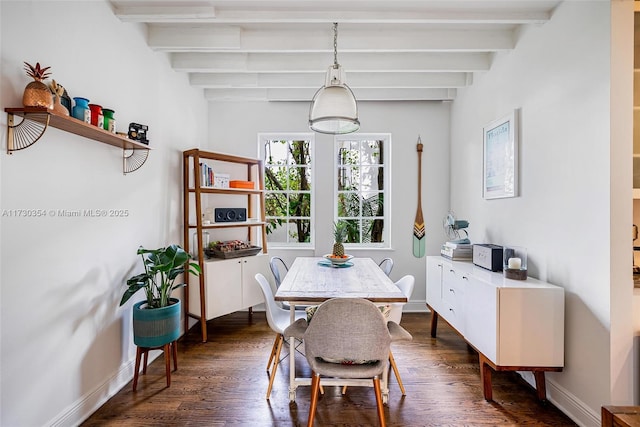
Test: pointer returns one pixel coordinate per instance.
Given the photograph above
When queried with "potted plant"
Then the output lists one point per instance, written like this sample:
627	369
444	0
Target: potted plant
156	319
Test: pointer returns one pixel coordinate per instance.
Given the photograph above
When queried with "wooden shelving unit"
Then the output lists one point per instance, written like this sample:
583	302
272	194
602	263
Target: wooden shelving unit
36	120
193	188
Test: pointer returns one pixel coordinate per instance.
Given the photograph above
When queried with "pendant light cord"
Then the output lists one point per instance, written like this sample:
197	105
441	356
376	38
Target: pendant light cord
335	45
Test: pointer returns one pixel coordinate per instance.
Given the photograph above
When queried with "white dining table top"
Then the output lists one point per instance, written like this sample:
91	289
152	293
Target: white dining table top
309	281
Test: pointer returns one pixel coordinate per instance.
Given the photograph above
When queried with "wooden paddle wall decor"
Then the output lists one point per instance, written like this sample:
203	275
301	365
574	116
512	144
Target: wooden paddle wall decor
418	224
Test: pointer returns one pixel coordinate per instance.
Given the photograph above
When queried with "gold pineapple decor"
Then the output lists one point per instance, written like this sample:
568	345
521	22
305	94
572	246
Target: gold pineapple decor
37	93
339	236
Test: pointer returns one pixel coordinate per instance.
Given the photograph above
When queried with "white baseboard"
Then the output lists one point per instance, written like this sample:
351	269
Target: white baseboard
81	409
566	402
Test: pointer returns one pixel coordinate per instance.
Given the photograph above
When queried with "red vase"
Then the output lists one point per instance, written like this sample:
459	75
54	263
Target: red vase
97	119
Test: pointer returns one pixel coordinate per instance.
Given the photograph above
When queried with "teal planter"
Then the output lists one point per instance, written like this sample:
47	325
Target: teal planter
156	327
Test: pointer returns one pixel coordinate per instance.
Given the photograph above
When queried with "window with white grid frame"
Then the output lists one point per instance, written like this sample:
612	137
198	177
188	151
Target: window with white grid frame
362	188
288	189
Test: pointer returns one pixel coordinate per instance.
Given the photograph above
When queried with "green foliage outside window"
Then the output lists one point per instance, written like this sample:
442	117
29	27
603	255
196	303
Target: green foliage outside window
288	190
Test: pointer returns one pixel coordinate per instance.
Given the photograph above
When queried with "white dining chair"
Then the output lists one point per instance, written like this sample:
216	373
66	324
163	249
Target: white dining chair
278	268
278	319
386	265
406	284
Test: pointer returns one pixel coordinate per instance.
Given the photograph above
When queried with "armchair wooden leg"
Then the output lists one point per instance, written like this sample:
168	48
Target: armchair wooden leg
376	386
276	362
273	351
392	362
315	387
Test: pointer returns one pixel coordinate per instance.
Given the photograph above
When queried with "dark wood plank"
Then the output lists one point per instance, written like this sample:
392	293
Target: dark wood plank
224	381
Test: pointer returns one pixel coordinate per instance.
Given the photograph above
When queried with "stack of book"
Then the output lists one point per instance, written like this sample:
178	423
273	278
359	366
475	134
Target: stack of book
456	251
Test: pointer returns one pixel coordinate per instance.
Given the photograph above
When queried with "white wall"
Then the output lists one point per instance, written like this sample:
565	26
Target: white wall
570	214
234	126
65	343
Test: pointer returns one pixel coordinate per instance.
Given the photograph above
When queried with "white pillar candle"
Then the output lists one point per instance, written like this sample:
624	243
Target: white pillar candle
515	263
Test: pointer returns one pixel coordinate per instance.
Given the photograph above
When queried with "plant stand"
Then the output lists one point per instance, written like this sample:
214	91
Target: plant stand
169	350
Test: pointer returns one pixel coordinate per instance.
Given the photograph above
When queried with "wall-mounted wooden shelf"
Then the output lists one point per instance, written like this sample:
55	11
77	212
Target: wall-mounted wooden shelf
36	120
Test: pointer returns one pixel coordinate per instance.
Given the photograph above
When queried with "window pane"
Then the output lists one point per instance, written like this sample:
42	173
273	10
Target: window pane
375	229
299	153
348	205
300	204
276	152
300	178
353	231
299	231
348	178
370	152
372	204
372	178
275	178
349	153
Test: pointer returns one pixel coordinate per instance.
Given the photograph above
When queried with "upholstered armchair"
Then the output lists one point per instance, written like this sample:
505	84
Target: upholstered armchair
347	338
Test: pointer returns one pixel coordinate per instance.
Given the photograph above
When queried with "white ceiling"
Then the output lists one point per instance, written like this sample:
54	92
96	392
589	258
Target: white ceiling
280	49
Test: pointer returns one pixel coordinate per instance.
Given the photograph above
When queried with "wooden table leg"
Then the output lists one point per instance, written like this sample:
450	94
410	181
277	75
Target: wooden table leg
485	377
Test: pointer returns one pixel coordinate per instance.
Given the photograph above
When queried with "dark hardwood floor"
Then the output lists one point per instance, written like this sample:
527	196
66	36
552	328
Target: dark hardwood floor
223	383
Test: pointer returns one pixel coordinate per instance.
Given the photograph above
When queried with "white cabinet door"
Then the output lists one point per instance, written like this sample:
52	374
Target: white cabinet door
223	288
531	327
251	292
434	283
480	306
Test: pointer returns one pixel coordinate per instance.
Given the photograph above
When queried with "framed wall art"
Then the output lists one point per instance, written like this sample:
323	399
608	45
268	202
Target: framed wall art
500	158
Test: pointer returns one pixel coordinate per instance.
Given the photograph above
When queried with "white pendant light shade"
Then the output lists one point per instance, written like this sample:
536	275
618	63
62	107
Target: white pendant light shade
334	109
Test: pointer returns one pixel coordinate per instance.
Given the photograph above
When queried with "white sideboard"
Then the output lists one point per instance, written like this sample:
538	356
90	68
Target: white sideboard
515	325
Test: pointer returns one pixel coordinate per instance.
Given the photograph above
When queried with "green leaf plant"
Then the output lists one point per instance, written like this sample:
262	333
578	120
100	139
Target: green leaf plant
161	268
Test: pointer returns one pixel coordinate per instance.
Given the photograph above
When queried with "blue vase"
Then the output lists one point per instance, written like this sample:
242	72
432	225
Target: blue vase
157	326
81	110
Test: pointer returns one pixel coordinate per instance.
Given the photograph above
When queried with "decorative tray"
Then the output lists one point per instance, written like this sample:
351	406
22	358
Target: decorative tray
231	249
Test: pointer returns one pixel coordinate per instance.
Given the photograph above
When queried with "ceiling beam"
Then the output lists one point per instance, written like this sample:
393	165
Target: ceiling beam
140	13
319	62
212	38
315	80
328	12
305	95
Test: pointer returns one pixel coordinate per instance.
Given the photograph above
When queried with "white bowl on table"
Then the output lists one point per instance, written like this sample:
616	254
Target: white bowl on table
338	260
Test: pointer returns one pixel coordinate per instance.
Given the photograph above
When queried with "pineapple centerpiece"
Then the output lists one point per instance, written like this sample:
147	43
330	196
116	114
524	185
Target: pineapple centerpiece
339	236
337	255
37	93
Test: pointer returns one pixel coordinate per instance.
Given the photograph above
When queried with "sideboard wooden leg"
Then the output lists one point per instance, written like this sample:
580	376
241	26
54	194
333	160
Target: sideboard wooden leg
541	386
485	377
434	321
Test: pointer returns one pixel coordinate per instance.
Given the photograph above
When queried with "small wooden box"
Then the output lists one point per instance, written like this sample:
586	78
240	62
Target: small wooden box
247	185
